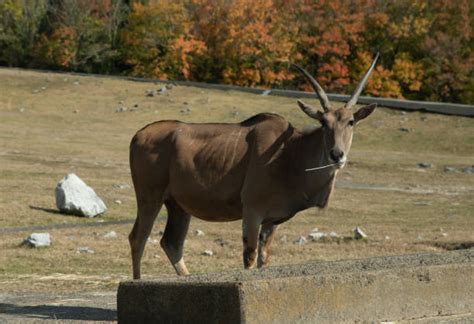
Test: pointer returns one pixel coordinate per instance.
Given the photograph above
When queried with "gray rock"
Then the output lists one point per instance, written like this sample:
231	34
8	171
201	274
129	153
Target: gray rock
450	169
185	111
118	201
122	186
163	90
121	109
359	234
422	203
198	232
74	197
85	249
208	253
316	236
424	165
111	234
266	92
300	241
37	240
150	92
469	170
234	113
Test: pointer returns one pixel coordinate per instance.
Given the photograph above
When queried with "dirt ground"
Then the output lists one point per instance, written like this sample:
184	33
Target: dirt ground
54	124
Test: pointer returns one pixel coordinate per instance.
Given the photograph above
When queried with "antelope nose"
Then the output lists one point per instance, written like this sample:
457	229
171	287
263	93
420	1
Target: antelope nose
336	155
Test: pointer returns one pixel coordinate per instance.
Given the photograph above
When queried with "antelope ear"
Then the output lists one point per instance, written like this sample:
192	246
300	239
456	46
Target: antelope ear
364	112
310	111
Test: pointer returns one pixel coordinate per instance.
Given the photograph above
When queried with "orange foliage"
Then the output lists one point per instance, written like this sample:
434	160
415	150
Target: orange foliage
426	47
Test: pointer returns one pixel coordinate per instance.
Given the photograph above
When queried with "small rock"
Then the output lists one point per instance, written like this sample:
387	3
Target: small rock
185	111
163	90
221	242
208	253
118	201
424	165
153	241
43	88
122	186
22	110
161	233
37	240
284	238
111	234
35	91
150	92
387	237
419	237
121	109
266	92
76	83
169	86
449	169
75	111
403	113
135	105
300	241
316	236
359	234
198	232
85	249
444	234
404	129
333	235
469	170
422	203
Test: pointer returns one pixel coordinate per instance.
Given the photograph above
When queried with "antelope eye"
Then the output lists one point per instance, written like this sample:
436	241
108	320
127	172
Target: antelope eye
351	123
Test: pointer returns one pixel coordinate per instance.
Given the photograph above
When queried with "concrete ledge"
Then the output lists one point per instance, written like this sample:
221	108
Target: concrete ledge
377	289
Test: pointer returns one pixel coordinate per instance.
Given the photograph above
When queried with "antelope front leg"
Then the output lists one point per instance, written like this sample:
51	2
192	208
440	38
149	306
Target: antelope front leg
267	233
250	229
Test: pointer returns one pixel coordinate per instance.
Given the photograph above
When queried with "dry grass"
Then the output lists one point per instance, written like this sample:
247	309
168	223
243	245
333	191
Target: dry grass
53	124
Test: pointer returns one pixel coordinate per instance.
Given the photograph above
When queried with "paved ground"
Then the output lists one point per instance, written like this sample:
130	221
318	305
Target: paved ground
83	307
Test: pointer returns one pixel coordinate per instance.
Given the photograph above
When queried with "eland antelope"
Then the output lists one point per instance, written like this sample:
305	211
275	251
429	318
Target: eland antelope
261	170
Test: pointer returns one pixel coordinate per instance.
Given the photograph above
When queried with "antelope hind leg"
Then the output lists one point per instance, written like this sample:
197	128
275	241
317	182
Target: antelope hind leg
146	215
174	236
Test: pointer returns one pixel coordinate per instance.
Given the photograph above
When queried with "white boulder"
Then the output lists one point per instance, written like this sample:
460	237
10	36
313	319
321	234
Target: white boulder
38	240
73	196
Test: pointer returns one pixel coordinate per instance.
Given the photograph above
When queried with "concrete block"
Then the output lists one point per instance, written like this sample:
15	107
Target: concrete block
380	289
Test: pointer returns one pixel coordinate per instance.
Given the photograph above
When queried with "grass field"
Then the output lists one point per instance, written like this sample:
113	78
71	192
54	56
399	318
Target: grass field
54	124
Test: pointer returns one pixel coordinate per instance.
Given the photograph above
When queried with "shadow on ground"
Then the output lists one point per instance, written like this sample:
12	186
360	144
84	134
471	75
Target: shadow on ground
59	312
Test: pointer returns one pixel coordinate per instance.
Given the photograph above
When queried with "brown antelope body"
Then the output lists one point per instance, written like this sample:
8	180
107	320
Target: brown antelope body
255	170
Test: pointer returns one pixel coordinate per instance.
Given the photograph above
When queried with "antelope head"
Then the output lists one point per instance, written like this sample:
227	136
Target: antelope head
337	124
